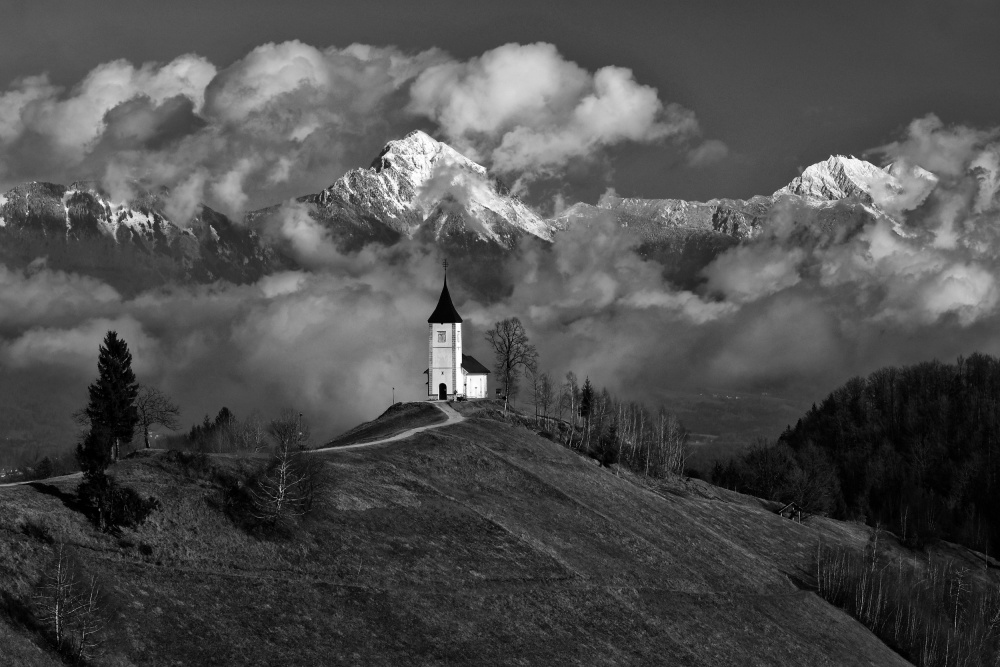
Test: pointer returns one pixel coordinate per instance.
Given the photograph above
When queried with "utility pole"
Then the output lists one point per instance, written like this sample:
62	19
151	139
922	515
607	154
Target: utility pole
394	396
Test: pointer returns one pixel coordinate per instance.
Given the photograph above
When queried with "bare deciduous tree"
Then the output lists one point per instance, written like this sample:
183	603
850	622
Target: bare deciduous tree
251	433
546	397
56	594
276	495
571	401
289	430
513	354
90	619
72	605
286	489
535	389
155	408
672	443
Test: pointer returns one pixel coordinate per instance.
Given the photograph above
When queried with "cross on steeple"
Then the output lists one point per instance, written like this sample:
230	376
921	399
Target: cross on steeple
445	265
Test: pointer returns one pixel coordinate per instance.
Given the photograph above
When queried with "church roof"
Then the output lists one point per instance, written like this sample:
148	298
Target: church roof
445	312
473	367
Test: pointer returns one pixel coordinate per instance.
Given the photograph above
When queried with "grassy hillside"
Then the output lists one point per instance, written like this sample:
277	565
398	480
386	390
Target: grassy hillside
398	418
479	543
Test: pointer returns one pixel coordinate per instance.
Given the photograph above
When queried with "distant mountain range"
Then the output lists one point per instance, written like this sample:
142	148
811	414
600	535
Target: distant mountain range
130	245
416	187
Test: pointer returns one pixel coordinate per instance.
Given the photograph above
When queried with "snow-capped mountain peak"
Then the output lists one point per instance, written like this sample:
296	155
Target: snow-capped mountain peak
418	182
417	155
38	218
840	177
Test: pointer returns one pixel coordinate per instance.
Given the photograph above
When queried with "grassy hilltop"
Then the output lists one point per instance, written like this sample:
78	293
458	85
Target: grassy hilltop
478	543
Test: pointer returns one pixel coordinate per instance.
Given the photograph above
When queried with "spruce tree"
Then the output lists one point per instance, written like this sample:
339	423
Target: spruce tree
586	407
111	410
586	398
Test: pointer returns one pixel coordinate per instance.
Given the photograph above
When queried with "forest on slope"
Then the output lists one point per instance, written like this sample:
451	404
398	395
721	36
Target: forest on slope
910	449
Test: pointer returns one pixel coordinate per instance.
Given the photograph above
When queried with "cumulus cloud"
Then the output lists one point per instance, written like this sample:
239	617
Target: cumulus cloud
525	108
285	119
35	113
289	118
944	151
748	273
821	294
707	153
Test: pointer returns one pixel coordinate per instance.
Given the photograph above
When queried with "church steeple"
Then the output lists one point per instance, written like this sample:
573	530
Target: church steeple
445	312
444	348
450	374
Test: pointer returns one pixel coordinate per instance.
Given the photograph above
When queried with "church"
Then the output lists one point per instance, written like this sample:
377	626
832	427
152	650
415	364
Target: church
450	374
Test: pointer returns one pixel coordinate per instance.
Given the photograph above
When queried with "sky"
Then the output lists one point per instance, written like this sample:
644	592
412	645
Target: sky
782	84
245	104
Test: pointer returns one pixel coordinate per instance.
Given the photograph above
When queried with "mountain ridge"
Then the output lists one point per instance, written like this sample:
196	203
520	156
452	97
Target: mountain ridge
416	187
132	244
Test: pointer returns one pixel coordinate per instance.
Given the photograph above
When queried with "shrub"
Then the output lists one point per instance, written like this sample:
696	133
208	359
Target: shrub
114	506
44	468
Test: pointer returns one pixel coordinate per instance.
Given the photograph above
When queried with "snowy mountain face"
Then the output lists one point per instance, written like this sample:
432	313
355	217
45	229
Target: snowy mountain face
840	178
685	236
836	180
420	186
131	245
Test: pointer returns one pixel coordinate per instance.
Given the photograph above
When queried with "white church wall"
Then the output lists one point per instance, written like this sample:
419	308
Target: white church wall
446	349
438	376
475	386
441	357
458	358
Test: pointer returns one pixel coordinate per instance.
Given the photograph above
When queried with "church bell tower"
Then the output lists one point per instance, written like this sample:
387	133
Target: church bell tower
444	347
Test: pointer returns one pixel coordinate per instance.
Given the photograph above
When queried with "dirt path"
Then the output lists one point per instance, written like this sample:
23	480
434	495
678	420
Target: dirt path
46	480
453	418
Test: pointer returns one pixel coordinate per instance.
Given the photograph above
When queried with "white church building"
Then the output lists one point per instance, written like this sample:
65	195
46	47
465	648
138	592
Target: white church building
450	373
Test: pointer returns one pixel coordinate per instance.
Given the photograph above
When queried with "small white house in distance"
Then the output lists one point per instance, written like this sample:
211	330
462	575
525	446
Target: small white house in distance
450	373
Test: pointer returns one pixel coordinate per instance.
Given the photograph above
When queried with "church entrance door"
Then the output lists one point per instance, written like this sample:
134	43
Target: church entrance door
443	391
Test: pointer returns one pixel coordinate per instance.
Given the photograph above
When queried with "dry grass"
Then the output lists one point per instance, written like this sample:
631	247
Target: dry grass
398	418
479	543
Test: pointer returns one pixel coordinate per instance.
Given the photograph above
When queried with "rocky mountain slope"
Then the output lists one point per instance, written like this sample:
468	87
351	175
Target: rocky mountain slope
685	236
847	180
131	245
418	186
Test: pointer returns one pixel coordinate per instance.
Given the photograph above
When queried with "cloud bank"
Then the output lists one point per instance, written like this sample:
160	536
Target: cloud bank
289	118
821	295
816	298
525	108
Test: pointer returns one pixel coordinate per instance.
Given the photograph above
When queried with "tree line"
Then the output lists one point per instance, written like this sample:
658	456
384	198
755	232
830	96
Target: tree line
933	613
913	449
596	423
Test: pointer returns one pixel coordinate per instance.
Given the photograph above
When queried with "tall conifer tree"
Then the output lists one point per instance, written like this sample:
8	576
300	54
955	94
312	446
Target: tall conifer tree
586	407
111	410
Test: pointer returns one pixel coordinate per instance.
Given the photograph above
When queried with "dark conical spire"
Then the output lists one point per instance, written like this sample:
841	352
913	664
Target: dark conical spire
445	312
